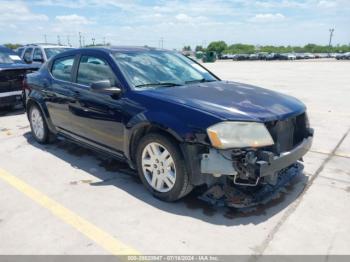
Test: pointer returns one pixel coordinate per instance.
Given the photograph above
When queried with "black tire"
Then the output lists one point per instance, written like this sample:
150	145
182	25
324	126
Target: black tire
181	186
48	137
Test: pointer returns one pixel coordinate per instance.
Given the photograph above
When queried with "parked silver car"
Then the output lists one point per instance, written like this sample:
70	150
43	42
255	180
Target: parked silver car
40	53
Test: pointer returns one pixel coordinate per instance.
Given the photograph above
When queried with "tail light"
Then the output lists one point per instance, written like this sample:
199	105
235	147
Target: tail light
25	85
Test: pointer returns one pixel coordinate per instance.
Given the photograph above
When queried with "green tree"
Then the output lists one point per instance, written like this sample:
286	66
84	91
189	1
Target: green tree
186	48
240	49
199	48
12	46
217	46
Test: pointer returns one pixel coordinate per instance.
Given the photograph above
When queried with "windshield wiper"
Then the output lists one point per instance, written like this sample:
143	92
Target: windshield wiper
199	81
159	84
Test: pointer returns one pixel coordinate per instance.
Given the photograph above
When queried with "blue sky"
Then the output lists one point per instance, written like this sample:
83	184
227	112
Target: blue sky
179	22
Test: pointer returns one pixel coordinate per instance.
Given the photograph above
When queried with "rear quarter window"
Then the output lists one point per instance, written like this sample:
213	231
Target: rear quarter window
62	68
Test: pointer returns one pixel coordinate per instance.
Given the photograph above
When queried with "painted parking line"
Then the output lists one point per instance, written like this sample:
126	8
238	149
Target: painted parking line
102	238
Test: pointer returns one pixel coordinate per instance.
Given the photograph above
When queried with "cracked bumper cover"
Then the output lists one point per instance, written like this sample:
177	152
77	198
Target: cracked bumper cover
267	163
275	163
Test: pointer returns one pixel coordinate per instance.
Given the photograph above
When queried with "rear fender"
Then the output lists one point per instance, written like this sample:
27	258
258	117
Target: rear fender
37	99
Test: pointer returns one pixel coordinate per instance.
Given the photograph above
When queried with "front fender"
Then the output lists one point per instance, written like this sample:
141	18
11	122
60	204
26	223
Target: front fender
185	135
161	120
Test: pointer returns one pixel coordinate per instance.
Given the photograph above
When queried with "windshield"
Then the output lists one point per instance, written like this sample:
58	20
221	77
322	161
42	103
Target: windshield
160	68
54	51
9	58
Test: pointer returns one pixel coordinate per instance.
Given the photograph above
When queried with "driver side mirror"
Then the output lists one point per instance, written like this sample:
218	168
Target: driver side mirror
105	87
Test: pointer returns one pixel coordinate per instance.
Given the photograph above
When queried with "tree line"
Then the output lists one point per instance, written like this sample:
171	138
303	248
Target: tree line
220	47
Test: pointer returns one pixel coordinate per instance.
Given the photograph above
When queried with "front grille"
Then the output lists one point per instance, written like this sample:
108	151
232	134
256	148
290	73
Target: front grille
288	133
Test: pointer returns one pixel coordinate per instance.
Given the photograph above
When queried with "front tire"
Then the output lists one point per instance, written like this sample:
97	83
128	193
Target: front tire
161	167
38	125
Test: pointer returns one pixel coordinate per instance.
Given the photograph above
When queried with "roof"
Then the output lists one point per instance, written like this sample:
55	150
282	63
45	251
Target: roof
124	48
107	49
47	46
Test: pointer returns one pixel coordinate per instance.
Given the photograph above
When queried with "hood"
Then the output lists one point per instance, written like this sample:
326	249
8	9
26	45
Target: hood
16	66
232	101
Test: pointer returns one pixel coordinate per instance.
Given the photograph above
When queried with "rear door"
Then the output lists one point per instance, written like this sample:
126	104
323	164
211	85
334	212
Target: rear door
59	93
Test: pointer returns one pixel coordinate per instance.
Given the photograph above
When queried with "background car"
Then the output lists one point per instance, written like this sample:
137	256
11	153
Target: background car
253	57
227	56
12	71
262	55
291	56
345	56
241	57
309	56
40	53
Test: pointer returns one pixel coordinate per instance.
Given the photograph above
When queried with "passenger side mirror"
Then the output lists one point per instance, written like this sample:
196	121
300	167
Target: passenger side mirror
105	87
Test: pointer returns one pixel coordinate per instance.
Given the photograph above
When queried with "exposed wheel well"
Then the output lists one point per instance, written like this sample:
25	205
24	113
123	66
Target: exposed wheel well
141	132
29	104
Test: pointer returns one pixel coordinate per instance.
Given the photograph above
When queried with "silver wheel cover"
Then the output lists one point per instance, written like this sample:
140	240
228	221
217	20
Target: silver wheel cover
37	123
158	167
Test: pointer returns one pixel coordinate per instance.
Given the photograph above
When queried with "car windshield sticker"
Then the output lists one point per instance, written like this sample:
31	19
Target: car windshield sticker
15	57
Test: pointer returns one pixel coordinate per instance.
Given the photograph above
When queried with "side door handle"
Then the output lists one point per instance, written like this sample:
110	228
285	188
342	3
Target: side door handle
48	93
77	97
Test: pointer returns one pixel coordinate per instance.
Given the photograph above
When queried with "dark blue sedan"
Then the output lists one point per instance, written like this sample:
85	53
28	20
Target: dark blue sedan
171	119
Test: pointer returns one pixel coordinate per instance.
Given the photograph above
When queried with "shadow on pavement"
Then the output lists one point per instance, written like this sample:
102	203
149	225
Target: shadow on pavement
11	111
118	174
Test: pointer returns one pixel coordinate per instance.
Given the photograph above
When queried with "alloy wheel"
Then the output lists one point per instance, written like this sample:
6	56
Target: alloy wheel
37	123
158	167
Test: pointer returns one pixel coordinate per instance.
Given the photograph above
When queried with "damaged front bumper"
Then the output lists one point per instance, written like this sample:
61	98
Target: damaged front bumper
224	194
252	177
250	168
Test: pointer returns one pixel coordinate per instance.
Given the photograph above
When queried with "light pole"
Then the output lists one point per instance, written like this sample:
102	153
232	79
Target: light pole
80	39
331	31
161	42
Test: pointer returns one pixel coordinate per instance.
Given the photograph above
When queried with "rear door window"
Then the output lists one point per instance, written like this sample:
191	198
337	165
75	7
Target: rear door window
62	68
93	69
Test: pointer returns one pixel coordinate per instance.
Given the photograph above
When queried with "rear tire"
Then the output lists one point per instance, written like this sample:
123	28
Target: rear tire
161	167
38	125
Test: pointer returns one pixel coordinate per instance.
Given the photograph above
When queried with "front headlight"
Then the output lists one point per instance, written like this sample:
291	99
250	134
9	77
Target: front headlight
239	134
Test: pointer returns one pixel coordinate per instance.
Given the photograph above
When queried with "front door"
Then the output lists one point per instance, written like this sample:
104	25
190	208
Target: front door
98	117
